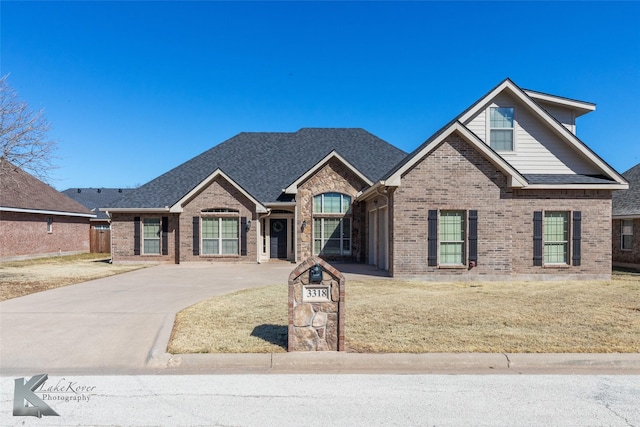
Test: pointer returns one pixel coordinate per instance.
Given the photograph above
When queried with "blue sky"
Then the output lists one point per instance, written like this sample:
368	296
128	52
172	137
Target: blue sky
133	89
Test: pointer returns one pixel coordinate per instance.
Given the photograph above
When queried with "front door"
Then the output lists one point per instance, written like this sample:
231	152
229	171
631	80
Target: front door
278	240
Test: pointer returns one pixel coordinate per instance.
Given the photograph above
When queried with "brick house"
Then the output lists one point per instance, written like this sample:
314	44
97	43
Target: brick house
505	189
100	227
36	220
626	222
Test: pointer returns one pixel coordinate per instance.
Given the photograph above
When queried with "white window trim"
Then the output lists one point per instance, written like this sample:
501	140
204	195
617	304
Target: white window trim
489	128
322	216
568	242
50	225
218	216
464	241
143	238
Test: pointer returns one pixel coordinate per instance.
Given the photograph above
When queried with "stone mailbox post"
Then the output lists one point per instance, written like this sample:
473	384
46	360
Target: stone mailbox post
316	307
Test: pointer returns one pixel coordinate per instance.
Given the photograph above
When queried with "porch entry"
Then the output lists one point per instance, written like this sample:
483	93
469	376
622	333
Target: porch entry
278	238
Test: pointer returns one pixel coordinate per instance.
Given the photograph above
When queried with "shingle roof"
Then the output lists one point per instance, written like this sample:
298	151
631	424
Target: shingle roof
96	198
19	190
263	163
566	179
627	202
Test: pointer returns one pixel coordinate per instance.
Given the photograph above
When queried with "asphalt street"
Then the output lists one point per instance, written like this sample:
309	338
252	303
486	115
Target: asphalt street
315	400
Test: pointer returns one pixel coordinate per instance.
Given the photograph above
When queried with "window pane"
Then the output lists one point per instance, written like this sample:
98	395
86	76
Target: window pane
152	246
229	227
451	226
331	228
210	228
346	203
317	203
501	117
502	140
230	246
627	242
210	246
317	246
346	247
317	228
331	247
151	227
451	253
555	253
332	202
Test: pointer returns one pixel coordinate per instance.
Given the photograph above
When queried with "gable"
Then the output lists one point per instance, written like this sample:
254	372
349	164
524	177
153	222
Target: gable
538	149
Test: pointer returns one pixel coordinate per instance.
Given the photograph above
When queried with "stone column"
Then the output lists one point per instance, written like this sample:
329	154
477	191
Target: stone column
316	309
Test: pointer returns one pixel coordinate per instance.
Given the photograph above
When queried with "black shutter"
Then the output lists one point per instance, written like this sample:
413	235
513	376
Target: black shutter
577	231
196	235
537	238
165	235
473	236
136	235
432	239
243	236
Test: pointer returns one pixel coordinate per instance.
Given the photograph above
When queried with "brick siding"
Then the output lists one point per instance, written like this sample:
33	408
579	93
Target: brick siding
25	235
456	177
625	257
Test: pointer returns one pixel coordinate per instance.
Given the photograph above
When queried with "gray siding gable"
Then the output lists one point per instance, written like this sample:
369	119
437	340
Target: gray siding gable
263	163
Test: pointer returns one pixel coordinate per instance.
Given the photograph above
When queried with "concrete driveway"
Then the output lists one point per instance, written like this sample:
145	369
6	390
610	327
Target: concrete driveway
117	323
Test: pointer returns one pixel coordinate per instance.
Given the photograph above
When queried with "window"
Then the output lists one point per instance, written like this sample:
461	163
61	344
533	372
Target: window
220	236
151	236
556	238
627	234
331	228
50	224
452	237
501	127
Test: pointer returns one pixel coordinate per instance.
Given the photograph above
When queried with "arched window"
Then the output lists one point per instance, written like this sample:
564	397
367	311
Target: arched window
331	224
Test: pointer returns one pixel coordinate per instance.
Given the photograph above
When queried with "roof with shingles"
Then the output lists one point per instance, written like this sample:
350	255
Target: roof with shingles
20	190
627	202
263	163
96	198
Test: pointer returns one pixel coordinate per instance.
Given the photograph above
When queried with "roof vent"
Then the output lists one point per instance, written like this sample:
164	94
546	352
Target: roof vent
119	190
99	190
79	190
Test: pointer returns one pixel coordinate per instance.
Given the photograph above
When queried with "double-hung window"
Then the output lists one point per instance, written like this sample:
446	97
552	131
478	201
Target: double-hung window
626	234
556	237
151	236
331	224
452	237
501	128
220	236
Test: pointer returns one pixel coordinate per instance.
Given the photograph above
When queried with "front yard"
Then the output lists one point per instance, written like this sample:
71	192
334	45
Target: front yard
19	278
419	317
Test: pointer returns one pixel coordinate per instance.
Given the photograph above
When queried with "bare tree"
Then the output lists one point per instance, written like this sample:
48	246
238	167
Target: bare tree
24	140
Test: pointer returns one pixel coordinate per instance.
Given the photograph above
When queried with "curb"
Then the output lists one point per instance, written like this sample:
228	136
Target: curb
423	363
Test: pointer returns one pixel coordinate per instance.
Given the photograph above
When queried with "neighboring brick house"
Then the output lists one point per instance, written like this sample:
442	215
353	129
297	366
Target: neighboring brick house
626	222
506	189
94	199
36	220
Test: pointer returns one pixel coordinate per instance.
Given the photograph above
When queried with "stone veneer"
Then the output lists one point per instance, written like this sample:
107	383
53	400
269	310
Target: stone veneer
334	176
316	326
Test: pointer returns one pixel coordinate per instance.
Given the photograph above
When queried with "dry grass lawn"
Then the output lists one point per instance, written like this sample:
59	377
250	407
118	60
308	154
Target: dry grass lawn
424	317
19	278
